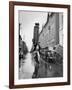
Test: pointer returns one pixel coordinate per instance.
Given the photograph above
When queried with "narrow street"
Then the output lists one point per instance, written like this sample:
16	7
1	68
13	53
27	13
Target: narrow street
41	56
45	69
27	68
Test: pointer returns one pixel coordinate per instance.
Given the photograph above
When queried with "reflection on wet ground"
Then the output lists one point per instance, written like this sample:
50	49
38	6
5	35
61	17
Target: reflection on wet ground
45	69
27	68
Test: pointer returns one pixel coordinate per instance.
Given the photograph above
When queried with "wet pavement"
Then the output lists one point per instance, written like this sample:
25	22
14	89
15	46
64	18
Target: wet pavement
50	70
27	68
45	69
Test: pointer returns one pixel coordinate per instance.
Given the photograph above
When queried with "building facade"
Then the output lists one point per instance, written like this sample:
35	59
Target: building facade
61	29
52	36
52	31
36	33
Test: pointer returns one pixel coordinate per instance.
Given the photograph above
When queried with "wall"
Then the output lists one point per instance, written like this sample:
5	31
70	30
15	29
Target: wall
49	35
4	45
61	29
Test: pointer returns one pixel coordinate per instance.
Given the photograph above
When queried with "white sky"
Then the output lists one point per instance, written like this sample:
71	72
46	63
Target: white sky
28	20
